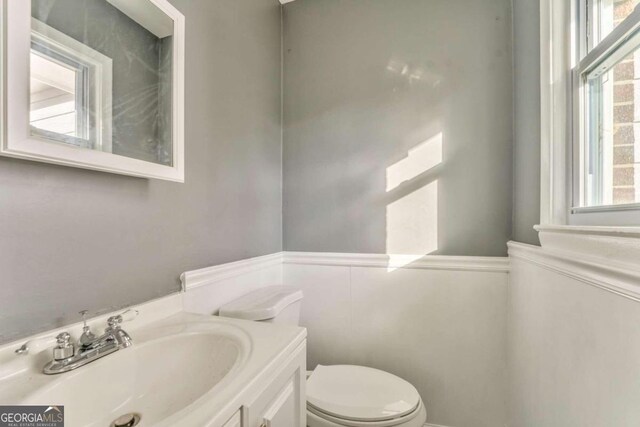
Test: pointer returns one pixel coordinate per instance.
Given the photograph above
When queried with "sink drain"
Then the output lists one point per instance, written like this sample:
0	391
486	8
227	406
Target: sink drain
126	420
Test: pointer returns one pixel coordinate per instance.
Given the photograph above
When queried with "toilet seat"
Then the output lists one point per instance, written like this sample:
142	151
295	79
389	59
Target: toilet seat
349	395
318	419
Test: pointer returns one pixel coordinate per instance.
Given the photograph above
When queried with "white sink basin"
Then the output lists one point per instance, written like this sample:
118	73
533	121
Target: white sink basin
166	370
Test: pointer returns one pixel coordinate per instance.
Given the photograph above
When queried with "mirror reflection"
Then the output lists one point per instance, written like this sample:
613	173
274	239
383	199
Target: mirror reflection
100	76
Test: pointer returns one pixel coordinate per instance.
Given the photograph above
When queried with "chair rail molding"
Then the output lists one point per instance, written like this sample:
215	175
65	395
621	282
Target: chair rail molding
208	275
425	262
204	276
605	257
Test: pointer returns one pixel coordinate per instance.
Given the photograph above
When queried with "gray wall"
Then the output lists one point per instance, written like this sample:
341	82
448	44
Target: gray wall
72	239
526	104
365	81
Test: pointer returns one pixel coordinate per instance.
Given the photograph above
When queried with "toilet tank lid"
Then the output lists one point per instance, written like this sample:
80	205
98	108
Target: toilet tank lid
262	304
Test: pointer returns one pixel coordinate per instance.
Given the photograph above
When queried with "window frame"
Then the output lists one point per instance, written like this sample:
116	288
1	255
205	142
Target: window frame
96	94
588	56
82	138
16	140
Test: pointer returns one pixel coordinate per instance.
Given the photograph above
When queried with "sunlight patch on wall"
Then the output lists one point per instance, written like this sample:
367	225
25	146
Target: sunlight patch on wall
427	73
419	159
412	226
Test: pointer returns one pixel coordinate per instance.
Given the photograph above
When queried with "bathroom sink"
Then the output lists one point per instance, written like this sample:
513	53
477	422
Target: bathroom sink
165	371
182	369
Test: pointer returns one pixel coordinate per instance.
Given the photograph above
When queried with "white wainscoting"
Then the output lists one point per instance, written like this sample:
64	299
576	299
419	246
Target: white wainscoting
439	322
207	289
573	336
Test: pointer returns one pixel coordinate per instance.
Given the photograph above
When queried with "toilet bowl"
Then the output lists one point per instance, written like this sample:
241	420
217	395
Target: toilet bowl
337	395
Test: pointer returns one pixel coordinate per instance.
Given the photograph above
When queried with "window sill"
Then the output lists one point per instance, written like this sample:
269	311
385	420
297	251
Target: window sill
604	257
618	247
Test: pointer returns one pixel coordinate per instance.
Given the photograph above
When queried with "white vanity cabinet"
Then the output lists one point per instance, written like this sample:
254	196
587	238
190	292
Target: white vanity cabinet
277	399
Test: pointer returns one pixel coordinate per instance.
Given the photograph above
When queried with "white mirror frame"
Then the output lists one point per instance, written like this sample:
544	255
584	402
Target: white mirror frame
17	140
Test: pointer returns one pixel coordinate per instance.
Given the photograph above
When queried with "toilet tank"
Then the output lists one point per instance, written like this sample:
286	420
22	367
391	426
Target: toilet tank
275	304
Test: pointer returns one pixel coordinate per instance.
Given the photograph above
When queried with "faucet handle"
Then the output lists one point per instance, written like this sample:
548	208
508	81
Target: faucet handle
63	339
129	314
64	348
114	321
36	345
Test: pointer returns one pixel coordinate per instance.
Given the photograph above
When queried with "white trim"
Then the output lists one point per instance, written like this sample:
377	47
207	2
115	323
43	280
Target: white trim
613	278
3	75
618	36
615	246
17	140
606	208
555	86
286	1
146	15
428	262
590	230
205	276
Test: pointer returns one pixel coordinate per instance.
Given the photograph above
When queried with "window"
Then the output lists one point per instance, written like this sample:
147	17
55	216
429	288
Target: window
605	15
607	108
70	90
59	97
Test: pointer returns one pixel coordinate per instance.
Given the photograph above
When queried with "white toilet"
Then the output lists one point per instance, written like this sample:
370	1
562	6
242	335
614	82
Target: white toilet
338	395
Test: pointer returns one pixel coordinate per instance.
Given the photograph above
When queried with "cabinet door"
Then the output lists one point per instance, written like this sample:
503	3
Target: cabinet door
235	420
281	403
284	411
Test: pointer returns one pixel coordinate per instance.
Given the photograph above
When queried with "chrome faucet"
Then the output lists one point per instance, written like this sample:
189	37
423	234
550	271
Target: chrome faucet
89	347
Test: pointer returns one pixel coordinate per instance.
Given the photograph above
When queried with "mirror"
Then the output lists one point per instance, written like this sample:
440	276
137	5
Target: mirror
104	83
